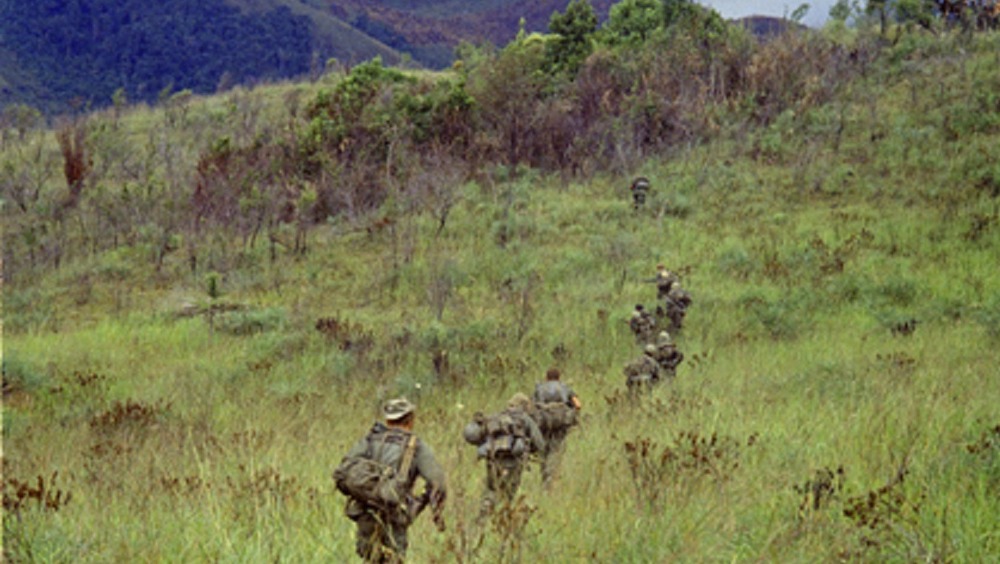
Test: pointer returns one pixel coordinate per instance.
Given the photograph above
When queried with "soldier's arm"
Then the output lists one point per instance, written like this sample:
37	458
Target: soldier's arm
432	472
436	490
574	400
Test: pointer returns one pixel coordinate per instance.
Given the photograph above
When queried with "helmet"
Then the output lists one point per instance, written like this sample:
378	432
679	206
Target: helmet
519	401
650	349
663	338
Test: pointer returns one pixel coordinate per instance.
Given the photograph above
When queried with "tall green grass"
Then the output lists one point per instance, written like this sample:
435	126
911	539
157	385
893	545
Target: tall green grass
136	433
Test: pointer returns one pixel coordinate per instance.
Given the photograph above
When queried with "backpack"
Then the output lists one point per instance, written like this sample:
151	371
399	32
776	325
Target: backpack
376	484
504	435
553	411
555	416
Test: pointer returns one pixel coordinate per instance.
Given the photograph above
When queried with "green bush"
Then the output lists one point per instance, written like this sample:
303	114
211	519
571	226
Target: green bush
249	322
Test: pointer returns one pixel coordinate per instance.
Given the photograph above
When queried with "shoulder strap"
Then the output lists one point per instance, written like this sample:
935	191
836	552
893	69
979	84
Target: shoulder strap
411	448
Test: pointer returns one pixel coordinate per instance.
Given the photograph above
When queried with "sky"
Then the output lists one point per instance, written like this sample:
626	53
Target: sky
819	10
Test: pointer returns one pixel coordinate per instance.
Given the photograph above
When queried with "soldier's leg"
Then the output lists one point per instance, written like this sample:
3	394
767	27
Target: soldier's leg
370	536
396	549
553	455
515	468
494	475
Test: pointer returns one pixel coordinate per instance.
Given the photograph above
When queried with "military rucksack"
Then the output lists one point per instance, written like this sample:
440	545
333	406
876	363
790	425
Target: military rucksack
504	435
555	416
552	409
376	484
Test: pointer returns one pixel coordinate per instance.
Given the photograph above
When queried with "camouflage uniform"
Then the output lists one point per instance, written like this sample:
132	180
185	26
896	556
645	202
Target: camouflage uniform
677	302
380	539
639	189
553	391
667	355
504	469
643	325
665	280
642	373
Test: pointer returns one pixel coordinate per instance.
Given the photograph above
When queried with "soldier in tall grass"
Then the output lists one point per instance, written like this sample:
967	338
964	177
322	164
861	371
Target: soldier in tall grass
664	280
556	409
381	537
643	325
505	441
667	355
643	372
639	189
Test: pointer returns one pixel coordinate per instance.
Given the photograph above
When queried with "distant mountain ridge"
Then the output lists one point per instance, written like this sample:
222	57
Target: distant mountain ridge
58	55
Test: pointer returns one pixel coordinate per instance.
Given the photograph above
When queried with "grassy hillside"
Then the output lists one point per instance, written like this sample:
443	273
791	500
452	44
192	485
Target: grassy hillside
837	400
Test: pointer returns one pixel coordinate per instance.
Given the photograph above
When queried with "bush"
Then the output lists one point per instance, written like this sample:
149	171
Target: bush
250	322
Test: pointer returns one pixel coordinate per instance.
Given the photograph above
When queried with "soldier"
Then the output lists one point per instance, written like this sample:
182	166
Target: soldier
642	324
381	537
640	189
642	373
505	440
665	280
677	302
557	407
667	355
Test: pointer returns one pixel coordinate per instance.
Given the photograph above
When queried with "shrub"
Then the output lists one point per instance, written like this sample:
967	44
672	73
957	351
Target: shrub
249	322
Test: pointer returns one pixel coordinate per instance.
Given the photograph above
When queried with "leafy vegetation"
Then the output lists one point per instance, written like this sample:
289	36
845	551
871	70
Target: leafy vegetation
205	301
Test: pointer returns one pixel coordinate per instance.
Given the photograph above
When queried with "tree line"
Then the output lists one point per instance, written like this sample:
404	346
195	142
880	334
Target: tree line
578	101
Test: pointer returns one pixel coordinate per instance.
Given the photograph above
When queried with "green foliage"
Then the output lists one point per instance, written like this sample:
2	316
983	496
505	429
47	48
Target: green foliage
988	316
632	22
573	30
22	375
250	322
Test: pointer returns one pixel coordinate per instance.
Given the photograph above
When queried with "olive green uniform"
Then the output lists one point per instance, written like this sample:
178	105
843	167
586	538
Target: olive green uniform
548	392
504	469
379	539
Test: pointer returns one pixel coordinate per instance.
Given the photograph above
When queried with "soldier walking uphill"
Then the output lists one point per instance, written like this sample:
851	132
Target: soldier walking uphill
639	189
667	356
673	299
378	475
643	325
505	440
556	410
664	280
642	373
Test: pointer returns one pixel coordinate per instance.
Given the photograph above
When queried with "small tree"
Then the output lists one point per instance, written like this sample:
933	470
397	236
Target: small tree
632	22
573	30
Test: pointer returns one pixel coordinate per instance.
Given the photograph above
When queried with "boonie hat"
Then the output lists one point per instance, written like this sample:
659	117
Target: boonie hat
398	408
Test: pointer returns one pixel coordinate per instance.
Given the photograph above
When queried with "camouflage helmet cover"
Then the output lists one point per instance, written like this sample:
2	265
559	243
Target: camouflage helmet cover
663	338
519	401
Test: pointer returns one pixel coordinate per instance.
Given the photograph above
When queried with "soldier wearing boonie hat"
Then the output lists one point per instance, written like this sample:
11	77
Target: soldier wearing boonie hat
381	538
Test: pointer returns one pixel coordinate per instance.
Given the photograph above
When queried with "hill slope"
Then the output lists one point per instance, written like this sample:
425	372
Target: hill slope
838	397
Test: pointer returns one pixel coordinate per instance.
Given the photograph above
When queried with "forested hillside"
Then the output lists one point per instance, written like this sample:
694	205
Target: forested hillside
61	56
207	298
